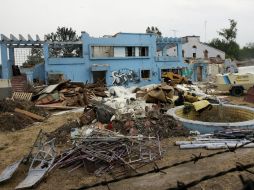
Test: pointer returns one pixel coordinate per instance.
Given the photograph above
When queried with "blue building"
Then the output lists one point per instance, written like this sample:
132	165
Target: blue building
123	59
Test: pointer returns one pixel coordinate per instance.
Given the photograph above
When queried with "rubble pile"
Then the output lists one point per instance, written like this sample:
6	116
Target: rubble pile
156	123
11	119
62	134
10	105
103	151
64	94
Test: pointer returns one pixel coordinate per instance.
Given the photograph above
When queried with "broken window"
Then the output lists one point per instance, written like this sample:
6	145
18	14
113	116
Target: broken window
130	51
182	53
102	51
143	51
206	54
145	74
65	50
194	54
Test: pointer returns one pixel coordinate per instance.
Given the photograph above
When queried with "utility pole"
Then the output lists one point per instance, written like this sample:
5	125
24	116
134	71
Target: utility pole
205	30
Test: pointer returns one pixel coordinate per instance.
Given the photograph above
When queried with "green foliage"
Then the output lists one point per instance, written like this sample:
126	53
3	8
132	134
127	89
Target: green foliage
228	42
247	52
64	34
34	58
153	30
229	34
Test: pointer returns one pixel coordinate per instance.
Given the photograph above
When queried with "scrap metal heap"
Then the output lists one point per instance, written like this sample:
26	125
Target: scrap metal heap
103	151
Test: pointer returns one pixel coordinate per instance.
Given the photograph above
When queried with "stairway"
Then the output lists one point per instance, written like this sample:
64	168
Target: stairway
19	83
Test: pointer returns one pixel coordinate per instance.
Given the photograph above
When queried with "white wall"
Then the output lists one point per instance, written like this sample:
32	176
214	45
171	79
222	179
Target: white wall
119	51
189	50
244	70
136	51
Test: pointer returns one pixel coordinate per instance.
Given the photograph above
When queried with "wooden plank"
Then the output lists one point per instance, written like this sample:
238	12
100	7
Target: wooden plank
57	107
29	114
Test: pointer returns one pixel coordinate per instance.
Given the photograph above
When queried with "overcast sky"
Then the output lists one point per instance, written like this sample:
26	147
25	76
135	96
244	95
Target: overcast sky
100	17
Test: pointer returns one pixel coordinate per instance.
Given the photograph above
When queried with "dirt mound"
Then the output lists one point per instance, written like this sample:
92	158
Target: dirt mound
63	133
14	121
10	105
154	124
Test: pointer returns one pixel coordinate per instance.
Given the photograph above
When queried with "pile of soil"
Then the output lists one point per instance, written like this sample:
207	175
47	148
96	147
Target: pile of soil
154	124
12	121
10	105
63	133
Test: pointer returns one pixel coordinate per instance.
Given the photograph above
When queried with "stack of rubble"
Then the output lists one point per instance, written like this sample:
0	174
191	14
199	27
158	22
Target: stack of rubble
103	151
15	115
68	94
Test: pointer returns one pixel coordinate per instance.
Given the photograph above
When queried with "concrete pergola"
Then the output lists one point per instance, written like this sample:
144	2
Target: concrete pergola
10	44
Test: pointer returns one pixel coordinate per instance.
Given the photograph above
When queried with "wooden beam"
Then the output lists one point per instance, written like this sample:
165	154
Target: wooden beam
29	114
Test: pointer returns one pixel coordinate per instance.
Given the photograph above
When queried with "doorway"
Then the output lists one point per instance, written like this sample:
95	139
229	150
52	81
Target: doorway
199	73
99	76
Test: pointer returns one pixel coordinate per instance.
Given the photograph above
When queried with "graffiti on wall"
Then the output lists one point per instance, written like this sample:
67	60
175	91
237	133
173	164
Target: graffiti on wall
124	76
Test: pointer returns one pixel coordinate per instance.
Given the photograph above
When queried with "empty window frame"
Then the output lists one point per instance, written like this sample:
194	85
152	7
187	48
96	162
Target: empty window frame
65	50
130	51
145	74
102	51
143	51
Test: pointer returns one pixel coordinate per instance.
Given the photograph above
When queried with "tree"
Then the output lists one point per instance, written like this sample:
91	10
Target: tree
153	30
247	52
34	58
64	34
227	42
229	34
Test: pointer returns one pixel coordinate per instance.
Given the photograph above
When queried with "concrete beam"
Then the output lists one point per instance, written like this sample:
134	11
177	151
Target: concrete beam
30	38
38	37
21	38
13	38
4	38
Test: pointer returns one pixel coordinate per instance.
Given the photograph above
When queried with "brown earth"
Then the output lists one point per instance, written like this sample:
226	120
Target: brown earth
12	121
14	145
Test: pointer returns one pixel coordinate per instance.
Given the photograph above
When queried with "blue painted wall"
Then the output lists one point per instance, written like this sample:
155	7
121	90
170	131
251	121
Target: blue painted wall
194	69
81	69
36	72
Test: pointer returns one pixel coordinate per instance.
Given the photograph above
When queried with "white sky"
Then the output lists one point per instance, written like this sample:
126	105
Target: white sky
99	17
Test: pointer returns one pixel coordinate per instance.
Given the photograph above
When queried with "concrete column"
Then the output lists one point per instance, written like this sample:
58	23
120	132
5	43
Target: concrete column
4	58
46	59
179	52
11	56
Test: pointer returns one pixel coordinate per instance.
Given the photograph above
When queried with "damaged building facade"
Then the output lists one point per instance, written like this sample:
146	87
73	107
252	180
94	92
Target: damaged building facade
123	59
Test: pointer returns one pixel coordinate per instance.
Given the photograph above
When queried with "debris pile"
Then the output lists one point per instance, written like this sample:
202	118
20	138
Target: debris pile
62	134
228	138
16	115
68	94
103	151
155	123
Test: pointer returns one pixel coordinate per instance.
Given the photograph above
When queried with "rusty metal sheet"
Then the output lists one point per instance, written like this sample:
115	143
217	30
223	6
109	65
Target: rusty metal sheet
9	171
250	95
